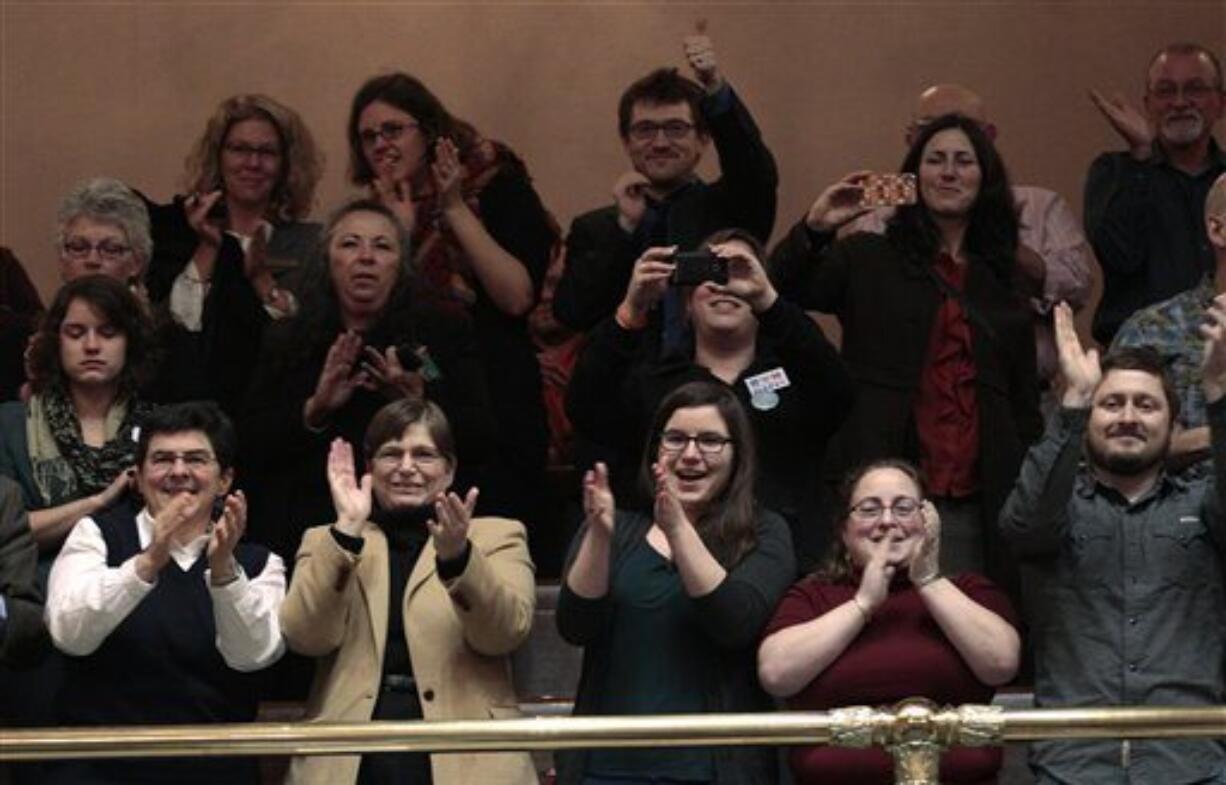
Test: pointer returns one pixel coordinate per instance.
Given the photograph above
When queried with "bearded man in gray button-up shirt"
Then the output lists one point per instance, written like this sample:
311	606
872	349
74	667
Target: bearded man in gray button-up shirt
1123	564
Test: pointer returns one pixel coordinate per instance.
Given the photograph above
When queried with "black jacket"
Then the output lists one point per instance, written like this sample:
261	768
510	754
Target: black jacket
612	399
600	255
886	300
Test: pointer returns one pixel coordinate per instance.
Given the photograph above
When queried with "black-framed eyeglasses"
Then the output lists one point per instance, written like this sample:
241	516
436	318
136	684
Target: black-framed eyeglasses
194	460
422	457
646	130
904	508
80	248
1195	90
708	443
390	131
262	152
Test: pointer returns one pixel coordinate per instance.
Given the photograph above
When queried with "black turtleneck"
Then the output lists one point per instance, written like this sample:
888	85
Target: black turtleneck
406	534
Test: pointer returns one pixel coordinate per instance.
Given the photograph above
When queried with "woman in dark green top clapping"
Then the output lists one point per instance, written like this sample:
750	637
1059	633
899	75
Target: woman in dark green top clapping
668	602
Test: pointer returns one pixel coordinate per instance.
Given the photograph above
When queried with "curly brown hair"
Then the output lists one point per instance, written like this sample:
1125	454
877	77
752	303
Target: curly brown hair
118	306
302	162
837	567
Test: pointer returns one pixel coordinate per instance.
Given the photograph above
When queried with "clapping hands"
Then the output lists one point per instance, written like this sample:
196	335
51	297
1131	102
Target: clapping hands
1127	121
351	498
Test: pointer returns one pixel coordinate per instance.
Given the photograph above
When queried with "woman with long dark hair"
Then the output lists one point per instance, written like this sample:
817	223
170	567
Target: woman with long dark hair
481	247
936	331
668	602
879	623
71	446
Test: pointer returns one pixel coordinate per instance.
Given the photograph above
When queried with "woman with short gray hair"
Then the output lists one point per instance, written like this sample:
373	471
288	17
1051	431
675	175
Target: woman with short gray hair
102	227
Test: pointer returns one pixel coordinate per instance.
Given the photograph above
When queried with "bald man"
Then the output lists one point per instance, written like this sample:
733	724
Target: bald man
1173	328
1143	205
1052	249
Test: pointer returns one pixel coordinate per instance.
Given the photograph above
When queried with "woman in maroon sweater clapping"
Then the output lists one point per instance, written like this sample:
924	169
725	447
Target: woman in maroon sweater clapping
879	623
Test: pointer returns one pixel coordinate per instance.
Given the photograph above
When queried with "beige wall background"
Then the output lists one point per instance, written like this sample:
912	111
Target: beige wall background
124	88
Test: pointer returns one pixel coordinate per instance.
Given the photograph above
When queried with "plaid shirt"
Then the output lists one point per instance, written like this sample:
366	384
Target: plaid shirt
1173	328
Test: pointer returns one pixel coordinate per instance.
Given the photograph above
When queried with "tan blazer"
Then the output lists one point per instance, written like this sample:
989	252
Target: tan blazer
459	635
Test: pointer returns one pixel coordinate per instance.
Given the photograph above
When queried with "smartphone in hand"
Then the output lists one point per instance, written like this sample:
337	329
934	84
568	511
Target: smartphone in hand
696	267
888	189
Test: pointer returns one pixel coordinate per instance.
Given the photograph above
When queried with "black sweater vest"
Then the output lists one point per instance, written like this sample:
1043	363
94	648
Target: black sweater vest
161	665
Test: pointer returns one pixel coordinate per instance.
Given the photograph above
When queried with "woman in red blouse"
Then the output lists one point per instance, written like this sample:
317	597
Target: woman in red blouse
879	623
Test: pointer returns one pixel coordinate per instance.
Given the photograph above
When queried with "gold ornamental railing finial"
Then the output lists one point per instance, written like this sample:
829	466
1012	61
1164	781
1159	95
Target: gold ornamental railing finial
915	732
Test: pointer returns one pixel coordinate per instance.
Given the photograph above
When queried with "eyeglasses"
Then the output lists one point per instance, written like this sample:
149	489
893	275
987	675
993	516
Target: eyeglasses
390	131
422	457
646	130
194	460
708	443
262	152
1195	91
903	508
80	248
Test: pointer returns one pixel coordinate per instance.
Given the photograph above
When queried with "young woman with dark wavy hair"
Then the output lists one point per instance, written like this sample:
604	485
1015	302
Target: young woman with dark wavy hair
936	331
667	602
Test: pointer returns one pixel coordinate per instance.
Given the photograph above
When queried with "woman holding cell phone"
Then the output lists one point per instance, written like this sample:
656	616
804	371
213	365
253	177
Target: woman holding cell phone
936	331
763	348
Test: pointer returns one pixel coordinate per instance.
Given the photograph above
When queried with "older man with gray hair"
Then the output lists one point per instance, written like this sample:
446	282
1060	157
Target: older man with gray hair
1142	204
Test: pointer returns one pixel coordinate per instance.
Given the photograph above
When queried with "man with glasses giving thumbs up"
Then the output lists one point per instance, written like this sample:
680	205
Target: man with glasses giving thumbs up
666	122
1123	562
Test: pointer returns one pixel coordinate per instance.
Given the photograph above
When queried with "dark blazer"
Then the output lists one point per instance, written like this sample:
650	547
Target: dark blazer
218	362
25	638
600	256
283	463
886	300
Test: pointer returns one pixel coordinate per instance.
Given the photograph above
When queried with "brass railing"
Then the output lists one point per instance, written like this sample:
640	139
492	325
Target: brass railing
914	732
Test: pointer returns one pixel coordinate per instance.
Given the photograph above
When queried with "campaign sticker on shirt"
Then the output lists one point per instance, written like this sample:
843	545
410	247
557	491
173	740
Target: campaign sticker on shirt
764	400
763	387
769	381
